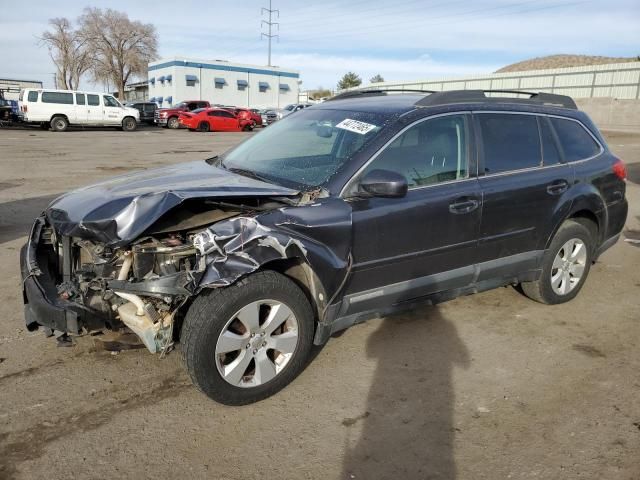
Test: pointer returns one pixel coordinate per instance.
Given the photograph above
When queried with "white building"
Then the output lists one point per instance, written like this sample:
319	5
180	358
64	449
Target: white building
177	79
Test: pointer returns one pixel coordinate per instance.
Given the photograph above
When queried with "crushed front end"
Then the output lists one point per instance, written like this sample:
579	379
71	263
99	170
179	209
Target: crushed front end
73	285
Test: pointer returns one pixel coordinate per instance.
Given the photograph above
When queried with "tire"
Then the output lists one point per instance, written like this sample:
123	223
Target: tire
247	128
129	124
192	129
217	311
563	256
59	123
173	123
204	127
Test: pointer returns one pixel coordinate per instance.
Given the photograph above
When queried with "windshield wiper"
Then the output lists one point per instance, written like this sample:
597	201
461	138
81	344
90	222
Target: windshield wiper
248	173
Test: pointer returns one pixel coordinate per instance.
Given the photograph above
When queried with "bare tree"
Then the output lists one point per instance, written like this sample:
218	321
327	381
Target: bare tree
68	52
120	48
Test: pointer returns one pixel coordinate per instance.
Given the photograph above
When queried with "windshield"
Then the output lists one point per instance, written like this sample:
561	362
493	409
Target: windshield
289	107
180	105
305	150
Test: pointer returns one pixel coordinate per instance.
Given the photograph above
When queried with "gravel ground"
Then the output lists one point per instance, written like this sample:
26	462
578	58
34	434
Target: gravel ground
484	387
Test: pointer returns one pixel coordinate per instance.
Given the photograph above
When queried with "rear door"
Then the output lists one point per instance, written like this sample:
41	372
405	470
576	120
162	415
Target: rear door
424	243
524	184
82	114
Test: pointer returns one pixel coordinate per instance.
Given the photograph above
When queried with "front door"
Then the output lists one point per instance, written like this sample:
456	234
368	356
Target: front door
404	248
112	110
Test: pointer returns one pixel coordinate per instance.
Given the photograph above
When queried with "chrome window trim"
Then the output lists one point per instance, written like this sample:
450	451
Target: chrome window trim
550	115
354	177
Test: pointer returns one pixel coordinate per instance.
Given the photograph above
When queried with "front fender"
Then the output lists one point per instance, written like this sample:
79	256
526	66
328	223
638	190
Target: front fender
318	233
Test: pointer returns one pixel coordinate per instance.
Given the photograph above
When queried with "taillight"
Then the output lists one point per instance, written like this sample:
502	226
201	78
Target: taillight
619	169
24	108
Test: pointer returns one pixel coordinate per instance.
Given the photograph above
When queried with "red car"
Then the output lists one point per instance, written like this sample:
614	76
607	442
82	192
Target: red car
215	120
248	114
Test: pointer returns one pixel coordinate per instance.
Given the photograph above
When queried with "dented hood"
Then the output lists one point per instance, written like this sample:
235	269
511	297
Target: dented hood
118	210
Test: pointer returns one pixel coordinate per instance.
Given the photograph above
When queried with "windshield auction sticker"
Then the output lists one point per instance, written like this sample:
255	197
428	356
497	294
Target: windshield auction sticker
355	126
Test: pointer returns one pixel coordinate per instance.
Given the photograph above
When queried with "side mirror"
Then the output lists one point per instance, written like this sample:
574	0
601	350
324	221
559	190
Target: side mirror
384	183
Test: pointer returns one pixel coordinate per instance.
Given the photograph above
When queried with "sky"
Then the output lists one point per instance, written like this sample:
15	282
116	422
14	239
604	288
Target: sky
400	40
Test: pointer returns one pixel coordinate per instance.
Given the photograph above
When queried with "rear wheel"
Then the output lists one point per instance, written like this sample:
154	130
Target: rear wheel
59	124
565	266
173	123
204	127
245	342
129	124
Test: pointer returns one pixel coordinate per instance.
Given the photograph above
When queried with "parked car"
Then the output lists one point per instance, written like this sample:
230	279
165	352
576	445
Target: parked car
268	116
169	117
289	109
57	109
249	114
258	117
147	110
368	204
215	120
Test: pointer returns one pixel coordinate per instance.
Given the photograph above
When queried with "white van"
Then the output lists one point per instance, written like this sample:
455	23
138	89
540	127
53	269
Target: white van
57	109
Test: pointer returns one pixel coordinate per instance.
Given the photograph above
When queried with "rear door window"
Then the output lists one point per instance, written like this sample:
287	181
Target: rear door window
79	98
93	100
510	141
576	142
32	97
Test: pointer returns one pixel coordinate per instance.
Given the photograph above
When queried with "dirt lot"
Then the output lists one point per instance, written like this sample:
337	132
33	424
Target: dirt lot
485	387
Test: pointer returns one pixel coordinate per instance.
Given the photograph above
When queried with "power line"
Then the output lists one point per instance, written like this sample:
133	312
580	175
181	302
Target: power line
270	24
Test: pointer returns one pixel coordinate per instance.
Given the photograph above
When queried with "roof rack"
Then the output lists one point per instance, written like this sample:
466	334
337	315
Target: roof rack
375	92
472	96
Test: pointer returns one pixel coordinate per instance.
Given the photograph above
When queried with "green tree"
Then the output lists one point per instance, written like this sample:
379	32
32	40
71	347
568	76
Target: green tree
376	79
349	80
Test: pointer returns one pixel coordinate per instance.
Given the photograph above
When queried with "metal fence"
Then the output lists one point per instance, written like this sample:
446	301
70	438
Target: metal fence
616	80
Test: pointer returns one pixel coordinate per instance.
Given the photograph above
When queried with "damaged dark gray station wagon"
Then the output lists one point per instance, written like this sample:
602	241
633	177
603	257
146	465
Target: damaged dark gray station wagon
367	204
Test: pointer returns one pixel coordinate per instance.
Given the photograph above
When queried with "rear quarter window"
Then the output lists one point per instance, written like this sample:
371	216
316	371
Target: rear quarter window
93	100
510	141
576	142
57	97
32	97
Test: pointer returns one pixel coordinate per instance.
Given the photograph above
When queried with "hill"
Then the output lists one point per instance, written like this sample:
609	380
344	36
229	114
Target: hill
561	61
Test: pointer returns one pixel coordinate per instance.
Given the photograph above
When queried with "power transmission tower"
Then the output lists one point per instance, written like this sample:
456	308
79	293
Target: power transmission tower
270	24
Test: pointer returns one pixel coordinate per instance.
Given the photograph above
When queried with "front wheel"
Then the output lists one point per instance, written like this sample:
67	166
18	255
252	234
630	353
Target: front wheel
173	123
129	124
245	342
565	265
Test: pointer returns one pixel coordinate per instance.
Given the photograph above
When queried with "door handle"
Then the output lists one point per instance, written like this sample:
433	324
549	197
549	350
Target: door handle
463	205
558	187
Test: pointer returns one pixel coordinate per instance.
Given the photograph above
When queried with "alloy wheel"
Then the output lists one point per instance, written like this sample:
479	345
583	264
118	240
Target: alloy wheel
568	266
257	343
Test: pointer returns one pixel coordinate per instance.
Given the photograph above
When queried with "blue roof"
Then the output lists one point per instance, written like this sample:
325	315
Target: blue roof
228	68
